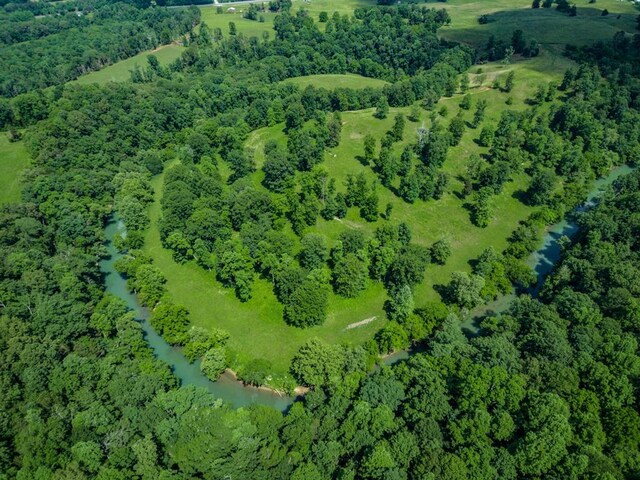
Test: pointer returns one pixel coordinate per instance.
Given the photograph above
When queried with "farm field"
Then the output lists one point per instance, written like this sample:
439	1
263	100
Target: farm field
13	160
248	28
551	28
120	71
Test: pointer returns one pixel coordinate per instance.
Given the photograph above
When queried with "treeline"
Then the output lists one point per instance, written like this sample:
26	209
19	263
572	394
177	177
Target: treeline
115	32
389	44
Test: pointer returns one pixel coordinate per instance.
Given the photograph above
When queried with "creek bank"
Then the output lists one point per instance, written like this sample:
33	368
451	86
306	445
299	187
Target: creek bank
227	387
233	391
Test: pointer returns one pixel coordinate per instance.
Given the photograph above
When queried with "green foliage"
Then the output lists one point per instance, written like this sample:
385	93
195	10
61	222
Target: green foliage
172	322
349	276
382	108
314	251
214	362
441	251
114	32
308	303
465	290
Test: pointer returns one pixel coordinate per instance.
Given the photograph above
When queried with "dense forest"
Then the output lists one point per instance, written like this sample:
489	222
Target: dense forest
546	389
42	52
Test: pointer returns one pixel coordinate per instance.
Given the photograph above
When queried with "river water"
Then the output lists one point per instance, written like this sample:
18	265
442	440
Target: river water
228	389
541	261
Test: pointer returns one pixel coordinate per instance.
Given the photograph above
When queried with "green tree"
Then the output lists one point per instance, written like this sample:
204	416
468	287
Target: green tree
233	30
456	129
486	136
308	303
214	363
478	116
382	108
542	186
465	104
398	127
441	251
400	304
314	252
349	276
509	82
465	290
547	435
294	116
415	113
369	149
392	337
171	321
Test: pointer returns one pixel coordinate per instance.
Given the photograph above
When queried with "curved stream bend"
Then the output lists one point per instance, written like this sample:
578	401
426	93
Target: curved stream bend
226	388
230	390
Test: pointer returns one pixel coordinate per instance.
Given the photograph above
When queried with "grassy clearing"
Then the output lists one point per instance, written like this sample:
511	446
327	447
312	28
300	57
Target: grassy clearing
119	72
248	28
256	327
331	82
13	160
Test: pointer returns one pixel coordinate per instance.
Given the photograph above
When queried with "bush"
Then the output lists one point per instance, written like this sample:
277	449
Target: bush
214	363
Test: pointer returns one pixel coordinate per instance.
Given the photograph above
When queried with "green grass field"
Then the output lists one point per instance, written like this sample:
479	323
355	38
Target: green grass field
120	71
331	82
248	28
256	327
13	160
551	28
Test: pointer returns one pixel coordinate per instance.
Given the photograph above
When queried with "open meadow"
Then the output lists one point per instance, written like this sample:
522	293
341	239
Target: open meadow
121	71
13	160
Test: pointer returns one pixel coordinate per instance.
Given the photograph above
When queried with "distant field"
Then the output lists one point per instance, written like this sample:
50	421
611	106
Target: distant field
119	72
249	28
337	81
13	160
548	26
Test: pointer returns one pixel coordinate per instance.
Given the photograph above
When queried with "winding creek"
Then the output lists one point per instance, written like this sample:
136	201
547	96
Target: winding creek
226	387
234	392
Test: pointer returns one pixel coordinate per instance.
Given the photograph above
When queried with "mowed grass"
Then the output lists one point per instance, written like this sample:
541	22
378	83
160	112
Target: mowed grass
13	160
551	28
256	327
331	82
120	71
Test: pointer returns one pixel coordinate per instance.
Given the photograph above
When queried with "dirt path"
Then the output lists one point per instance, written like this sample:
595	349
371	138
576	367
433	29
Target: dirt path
360	323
